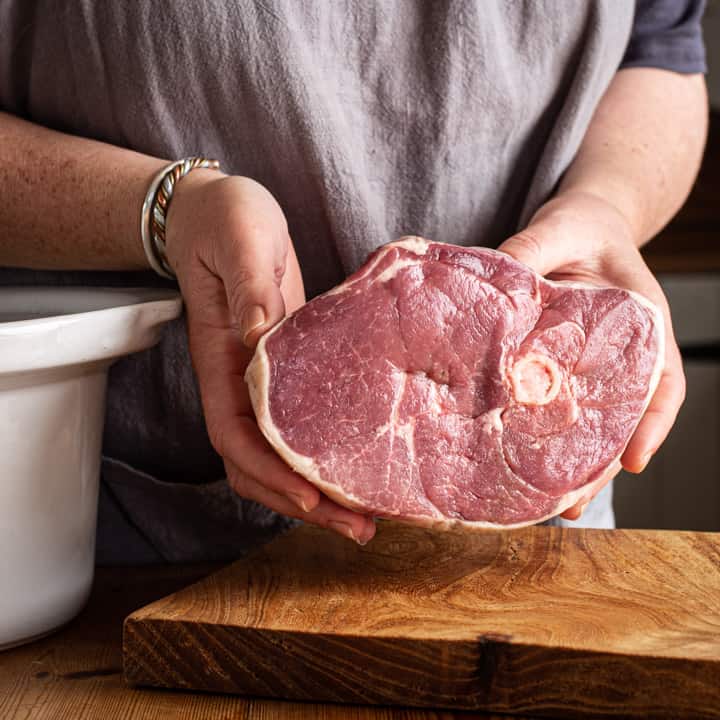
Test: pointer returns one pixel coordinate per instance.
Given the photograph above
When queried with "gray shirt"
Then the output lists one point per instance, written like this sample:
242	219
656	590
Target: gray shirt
366	120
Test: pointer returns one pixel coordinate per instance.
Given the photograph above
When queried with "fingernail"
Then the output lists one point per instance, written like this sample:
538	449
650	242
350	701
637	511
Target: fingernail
299	500
369	533
645	460
253	318
344	529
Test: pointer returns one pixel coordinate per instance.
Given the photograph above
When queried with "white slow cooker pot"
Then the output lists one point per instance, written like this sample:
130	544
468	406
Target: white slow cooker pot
56	345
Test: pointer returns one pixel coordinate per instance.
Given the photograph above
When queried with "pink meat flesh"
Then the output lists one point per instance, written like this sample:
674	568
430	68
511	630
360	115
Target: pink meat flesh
442	384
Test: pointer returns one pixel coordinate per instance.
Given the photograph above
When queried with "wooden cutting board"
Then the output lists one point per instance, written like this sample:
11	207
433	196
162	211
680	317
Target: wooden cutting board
549	621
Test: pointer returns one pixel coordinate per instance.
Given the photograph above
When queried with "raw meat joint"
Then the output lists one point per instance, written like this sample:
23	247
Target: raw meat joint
445	385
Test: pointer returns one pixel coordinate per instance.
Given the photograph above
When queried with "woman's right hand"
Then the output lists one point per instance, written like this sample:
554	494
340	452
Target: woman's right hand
227	241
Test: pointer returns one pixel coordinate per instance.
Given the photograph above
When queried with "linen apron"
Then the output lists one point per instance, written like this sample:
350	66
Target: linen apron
366	120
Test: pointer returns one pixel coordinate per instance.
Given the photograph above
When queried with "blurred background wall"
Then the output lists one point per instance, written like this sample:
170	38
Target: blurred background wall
711	28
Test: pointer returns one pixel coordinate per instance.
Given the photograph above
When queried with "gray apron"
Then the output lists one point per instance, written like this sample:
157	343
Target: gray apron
367	121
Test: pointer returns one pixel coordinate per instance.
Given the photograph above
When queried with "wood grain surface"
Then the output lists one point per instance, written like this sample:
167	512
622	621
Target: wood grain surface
76	673
546	621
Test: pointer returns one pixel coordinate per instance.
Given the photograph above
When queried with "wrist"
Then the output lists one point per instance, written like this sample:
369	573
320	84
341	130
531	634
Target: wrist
588	212
182	208
611	190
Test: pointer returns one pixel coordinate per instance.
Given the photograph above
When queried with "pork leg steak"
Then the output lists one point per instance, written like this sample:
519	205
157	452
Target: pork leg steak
445	385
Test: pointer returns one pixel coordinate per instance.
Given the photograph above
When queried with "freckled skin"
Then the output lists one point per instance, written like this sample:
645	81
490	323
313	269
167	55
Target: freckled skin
462	385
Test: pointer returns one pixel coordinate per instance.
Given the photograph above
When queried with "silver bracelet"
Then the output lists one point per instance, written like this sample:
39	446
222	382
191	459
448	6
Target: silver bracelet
155	207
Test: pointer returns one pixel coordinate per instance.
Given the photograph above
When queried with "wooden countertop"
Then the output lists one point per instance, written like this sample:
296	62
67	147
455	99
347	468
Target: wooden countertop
76	673
691	242
566	622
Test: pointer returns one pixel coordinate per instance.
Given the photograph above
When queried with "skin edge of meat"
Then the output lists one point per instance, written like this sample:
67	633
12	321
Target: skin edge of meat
257	377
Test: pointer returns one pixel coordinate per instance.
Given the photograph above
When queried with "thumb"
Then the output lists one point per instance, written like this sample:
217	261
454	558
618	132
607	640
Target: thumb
541	246
254	269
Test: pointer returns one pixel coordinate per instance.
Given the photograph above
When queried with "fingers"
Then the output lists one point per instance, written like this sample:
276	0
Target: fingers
238	274
233	228
659	416
530	248
258	472
270	481
326	513
254	265
220	361
291	284
669	395
575	512
561	243
544	245
239	441
552	245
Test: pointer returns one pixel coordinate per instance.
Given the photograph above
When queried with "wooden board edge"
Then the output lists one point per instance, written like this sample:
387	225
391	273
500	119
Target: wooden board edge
491	673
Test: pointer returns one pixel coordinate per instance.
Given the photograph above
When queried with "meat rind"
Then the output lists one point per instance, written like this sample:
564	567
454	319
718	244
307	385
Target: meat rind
394	392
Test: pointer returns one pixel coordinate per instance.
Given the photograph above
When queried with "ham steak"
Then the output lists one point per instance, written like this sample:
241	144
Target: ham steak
445	385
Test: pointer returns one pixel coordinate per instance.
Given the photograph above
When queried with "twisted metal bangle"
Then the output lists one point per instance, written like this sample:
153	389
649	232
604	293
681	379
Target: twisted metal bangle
155	207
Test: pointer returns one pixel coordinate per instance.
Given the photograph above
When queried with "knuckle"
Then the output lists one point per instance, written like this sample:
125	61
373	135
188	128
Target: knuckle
239	483
228	439
218	438
242	295
242	278
528	242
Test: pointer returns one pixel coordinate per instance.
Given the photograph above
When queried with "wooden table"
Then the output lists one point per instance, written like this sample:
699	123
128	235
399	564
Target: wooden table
76	674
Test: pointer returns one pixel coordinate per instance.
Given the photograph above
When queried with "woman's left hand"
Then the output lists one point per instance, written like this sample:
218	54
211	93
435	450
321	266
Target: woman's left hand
579	236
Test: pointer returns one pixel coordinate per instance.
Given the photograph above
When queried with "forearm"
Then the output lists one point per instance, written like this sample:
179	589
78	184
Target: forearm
643	148
68	202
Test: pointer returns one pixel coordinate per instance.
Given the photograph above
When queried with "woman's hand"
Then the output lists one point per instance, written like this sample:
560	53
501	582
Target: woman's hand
228	242
579	236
